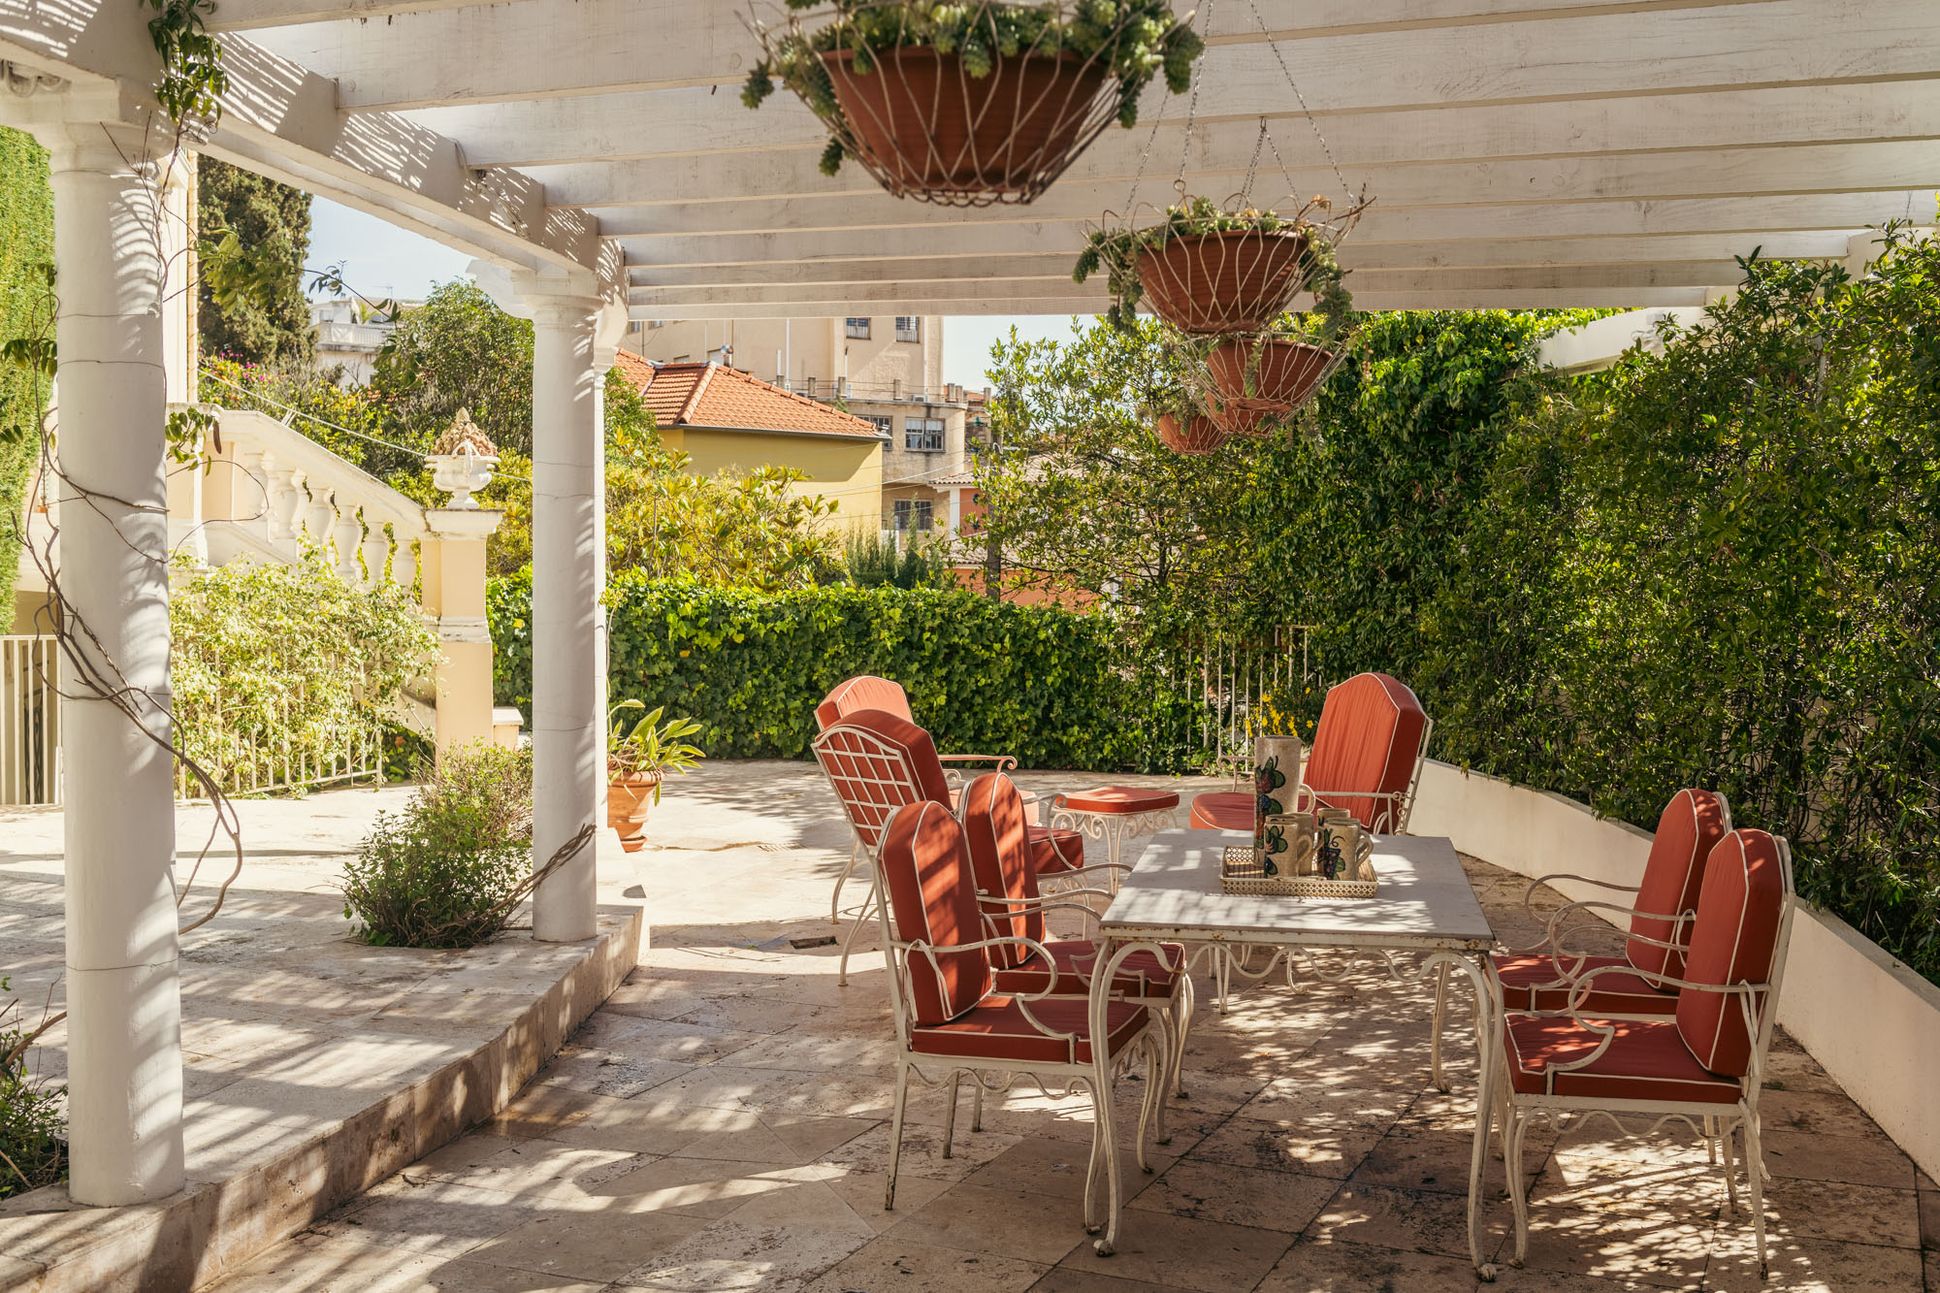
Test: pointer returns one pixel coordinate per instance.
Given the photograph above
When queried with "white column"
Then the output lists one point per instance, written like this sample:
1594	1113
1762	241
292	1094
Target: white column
568	622
123	999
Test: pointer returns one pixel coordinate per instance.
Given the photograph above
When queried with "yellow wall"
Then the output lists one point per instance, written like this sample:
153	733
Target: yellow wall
847	472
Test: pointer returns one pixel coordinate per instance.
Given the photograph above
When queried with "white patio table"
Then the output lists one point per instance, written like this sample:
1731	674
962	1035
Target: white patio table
1425	907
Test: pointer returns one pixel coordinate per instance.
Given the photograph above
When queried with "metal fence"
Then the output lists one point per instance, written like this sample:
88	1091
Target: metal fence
244	758
1238	688
30	721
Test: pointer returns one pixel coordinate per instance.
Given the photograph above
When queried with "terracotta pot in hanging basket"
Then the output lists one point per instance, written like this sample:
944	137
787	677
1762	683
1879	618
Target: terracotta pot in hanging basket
1196	434
629	797
1247	419
926	128
1236	281
1275	373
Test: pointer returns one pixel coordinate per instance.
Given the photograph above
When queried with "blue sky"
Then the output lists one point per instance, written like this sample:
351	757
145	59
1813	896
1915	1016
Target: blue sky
381	260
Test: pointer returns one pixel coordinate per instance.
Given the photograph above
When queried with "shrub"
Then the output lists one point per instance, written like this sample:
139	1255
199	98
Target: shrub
450	870
33	1127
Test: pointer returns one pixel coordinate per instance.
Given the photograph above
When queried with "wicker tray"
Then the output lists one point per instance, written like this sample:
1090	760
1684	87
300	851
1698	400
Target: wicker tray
1240	872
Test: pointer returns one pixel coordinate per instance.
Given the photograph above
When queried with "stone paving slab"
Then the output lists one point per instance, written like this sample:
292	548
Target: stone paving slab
314	1066
740	1142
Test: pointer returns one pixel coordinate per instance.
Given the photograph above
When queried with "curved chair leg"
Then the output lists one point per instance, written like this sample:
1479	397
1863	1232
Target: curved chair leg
1711	1139
835	901
1094	1164
976	1106
950	1118
1755	1156
1435	1033
1153	1104
1518	1188
1188	998
896	1136
1730	1169
848	940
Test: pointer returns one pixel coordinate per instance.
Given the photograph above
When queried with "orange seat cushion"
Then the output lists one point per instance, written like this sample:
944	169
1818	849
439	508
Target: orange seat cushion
1122	799
1143	973
1536	983
1223	810
925	869
1647	1060
998	1030
1055	850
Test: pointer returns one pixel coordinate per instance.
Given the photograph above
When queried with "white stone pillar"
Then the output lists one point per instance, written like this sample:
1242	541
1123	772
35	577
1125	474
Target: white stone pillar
568	621
123	997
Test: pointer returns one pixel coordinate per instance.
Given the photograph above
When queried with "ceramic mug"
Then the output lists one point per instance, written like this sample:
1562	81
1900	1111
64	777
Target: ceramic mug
1343	850
1289	841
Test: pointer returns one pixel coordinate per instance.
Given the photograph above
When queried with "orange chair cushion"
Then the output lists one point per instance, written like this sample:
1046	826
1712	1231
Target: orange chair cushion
1055	850
1143	973
1367	741
1223	810
865	691
1647	1060
932	898
1000	858
998	1030
1529	983
1734	940
1689	828
1122	799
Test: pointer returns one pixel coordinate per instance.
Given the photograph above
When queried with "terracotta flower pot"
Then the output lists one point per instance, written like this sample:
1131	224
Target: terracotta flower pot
629	797
1197	435
1272	373
1247	419
926	127
1223	282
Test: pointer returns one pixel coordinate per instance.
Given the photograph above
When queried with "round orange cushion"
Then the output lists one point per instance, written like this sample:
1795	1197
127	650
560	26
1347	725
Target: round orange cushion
1121	799
1223	810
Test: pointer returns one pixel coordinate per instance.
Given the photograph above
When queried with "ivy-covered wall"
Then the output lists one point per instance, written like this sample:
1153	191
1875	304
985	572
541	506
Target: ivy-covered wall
26	255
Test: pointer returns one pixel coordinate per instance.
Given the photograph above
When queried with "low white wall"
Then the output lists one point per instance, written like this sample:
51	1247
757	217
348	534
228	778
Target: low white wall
1869	1020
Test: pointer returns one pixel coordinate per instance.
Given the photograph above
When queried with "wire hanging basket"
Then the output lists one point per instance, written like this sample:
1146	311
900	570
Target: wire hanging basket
1194	434
970	104
1253	384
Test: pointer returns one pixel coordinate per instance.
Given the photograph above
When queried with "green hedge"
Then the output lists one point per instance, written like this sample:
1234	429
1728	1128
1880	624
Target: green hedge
1055	689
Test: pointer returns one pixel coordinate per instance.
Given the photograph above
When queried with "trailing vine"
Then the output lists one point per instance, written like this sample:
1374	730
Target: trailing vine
193	79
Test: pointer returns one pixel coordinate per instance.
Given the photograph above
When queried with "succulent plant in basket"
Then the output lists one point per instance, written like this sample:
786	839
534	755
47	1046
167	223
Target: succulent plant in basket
639	757
971	103
1212	269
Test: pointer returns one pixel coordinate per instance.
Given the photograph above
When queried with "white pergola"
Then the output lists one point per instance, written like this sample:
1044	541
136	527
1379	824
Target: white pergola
594	157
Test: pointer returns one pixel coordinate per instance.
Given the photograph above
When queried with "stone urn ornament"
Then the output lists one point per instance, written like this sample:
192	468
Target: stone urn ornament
461	462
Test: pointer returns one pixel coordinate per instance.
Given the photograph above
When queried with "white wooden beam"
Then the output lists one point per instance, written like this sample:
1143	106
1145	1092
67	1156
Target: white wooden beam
537	49
641	125
1621	298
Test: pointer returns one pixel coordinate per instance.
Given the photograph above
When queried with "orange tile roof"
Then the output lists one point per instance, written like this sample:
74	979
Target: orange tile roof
716	396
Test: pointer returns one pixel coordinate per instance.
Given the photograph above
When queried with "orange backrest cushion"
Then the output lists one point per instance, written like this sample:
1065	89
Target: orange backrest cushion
1368	740
933	900
878	762
1689	828
1000	859
1735	940
864	691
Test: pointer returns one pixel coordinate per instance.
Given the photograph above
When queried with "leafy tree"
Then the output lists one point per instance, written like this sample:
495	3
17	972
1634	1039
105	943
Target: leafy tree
458	351
254	234
871	561
26	328
1083	496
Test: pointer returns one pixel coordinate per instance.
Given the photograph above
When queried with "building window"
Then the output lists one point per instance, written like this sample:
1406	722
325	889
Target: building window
882	422
856	329
923	435
909	327
914	514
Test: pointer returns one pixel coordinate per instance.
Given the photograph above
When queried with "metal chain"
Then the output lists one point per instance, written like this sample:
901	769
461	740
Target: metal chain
1280	58
1253	166
1192	104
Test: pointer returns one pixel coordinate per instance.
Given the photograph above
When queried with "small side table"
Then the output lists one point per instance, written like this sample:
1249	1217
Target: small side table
1111	813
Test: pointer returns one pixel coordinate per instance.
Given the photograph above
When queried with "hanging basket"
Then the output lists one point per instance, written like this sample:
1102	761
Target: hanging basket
1276	374
1246	419
1236	281
1195	434
926	128
970	104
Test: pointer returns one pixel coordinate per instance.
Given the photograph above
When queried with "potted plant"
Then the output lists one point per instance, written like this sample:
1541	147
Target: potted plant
1210	269
1193	433
639	756
972	103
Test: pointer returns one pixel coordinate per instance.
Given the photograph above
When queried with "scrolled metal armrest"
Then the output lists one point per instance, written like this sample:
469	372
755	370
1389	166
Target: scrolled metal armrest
1747	994
1004	762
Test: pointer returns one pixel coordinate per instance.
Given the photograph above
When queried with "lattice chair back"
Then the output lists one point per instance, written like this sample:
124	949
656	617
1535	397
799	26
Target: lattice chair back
932	900
1743	924
1001	861
877	762
1367	750
1687	831
864	691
